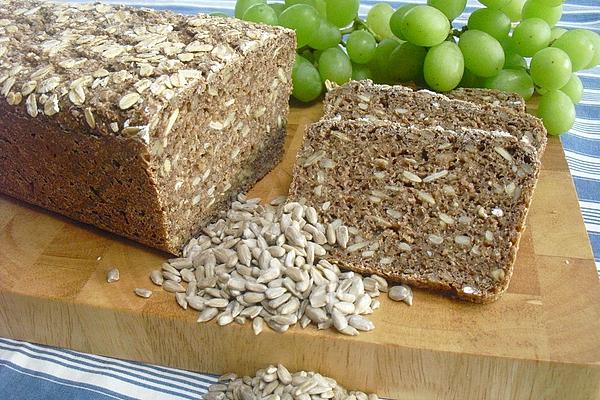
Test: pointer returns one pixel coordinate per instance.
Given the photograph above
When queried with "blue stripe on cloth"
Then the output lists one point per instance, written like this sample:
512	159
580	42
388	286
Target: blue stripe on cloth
22	384
178	375
132	380
33	372
81	366
131	371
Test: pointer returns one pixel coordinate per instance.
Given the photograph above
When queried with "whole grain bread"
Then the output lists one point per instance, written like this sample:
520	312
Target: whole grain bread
488	96
140	122
431	208
423	108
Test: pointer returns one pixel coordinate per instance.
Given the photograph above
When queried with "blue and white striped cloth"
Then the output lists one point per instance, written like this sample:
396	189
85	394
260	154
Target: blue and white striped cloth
31	372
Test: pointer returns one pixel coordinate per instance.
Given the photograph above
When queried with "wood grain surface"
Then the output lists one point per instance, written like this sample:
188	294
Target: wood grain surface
540	341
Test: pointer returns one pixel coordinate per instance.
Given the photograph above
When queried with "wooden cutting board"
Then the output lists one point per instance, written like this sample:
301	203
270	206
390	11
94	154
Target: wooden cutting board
540	341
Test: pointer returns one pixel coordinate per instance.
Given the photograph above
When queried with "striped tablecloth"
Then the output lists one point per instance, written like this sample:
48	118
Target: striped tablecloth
31	372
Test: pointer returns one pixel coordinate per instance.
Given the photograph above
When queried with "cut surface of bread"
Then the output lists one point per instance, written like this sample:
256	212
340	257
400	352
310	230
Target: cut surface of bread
423	109
488	96
432	208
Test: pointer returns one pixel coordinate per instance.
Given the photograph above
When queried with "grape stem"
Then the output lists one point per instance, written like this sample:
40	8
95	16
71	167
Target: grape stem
458	32
358	24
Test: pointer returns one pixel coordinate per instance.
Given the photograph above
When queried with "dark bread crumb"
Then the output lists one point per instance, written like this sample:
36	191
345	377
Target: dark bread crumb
423	109
458	233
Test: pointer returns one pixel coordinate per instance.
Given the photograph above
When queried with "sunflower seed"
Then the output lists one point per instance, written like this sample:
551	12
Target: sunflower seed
400	293
172	286
361	323
89	117
216	302
181	300
503	153
435	176
112	275
258	325
207	314
141	292
224	319
196	302
341	236
156	277
339	320
411	177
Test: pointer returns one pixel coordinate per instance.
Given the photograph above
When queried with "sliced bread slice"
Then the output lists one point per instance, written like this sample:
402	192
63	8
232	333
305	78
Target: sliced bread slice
488	96
430	207
423	109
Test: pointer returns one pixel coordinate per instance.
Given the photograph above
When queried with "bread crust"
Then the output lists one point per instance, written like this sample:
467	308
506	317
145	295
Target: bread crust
143	123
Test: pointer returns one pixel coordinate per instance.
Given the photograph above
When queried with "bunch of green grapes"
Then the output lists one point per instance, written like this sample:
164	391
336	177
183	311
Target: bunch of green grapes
509	45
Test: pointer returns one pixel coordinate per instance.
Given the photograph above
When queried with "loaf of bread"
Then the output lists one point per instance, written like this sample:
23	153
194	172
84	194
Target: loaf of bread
429	207
364	99
488	96
140	122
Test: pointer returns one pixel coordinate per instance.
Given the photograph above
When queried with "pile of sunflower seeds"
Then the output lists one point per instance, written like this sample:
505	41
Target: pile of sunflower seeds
277	383
265	263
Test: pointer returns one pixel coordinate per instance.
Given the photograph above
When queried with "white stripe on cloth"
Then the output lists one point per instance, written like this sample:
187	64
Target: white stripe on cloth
185	379
72	371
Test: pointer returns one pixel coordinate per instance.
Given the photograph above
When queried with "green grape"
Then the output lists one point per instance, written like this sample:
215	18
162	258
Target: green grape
530	36
425	26
470	80
261	13
361	46
450	8
328	35
302	18
319	5
557	112
242	5
508	44
550	68
513	9
490	21
378	20
514	61
578	46
512	81
277	7
334	65
573	89
361	71
406	62
555	33
396	19
494	3
380	62
533	9
483	55
218	14
443	66
342	12
594	38
306	80
308	54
